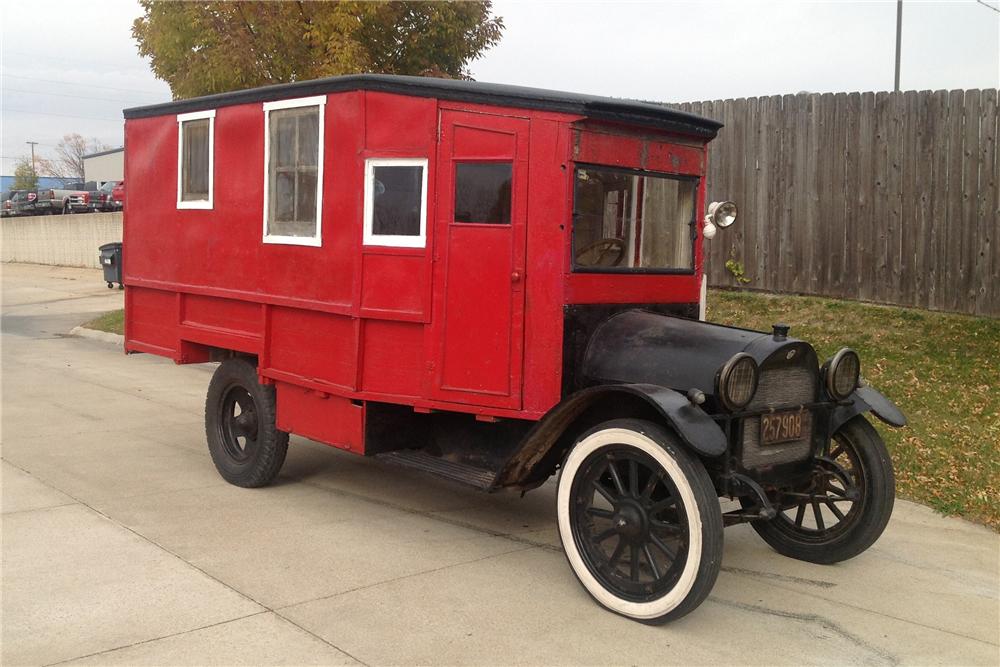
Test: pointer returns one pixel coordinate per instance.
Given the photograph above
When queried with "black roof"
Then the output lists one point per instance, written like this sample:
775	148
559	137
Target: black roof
603	108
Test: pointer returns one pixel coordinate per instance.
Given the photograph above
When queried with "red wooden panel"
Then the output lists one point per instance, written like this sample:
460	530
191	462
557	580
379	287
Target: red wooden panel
221	247
320	416
393	358
636	151
152	201
477	336
396	123
313	345
673	159
207	311
152	319
547	254
608	288
482	143
394	285
326	273
477	348
609	149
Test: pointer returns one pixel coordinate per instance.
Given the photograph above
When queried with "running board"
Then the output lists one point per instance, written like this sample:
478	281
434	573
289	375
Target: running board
457	472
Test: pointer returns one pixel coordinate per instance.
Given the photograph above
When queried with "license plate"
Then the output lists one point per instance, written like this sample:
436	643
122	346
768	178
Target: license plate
781	427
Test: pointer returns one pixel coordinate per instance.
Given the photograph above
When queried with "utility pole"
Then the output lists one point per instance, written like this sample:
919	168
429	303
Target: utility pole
33	144
899	38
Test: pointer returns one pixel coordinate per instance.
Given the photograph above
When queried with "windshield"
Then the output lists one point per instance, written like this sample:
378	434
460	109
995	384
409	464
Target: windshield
632	221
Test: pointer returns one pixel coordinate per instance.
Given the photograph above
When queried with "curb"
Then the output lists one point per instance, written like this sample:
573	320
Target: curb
94	334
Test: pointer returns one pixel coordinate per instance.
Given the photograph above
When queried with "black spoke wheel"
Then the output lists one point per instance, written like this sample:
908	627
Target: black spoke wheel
640	521
246	446
844	507
238	426
629	519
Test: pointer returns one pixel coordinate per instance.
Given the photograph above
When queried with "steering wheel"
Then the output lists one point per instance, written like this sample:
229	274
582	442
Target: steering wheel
609	251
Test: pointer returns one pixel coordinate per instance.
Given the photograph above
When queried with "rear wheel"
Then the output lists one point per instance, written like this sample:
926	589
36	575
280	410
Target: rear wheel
246	446
640	521
845	506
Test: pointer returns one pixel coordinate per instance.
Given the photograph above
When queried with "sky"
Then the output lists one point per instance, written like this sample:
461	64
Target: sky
66	70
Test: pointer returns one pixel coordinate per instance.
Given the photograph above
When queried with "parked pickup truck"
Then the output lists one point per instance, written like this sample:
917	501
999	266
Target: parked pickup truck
44	201
26	202
6	205
118	196
88	197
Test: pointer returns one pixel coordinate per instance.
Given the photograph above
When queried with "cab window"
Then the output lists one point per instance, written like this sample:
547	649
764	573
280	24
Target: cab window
633	221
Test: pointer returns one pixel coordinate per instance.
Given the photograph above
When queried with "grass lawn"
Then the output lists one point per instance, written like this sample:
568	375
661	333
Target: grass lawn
113	322
942	370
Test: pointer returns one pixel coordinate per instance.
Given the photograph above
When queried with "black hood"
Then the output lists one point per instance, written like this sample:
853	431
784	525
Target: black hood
640	346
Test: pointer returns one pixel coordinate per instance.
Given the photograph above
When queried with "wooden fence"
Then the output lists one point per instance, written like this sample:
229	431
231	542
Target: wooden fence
884	197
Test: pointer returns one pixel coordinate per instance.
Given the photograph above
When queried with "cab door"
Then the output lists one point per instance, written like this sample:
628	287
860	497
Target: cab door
477	333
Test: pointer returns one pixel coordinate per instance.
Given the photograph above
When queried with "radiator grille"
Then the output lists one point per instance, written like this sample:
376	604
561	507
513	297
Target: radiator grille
779	388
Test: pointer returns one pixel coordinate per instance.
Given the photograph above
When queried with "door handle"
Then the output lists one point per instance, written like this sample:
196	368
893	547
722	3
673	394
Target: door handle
515	277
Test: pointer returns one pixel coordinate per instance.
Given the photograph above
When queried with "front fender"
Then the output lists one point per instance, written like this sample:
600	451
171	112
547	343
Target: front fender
540	451
866	399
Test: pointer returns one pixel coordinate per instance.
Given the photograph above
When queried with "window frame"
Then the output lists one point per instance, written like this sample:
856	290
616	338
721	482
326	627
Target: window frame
624	270
369	238
316	101
204	204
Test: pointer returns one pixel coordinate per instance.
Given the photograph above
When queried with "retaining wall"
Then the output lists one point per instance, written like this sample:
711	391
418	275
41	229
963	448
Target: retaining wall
59	240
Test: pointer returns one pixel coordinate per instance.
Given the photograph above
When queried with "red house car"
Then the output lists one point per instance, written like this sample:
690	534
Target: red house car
494	284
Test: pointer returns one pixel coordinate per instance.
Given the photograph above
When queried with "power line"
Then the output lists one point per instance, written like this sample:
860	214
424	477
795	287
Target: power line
82	97
988	5
71	83
33	56
62	115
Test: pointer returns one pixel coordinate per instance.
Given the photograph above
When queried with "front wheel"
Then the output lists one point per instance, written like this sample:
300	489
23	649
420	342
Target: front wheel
846	505
639	521
246	446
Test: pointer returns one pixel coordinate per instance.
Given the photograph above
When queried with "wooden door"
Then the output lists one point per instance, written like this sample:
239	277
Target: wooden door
482	195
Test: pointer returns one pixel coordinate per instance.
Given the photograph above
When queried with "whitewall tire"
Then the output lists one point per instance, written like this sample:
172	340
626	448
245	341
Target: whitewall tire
639	521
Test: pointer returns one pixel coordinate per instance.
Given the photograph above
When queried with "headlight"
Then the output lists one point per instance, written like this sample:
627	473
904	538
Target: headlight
722	214
843	373
737	381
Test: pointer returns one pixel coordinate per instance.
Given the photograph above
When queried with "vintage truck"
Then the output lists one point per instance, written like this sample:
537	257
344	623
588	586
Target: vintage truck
495	284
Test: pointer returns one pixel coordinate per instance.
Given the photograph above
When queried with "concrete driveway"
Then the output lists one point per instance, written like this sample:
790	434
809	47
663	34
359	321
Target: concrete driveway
122	545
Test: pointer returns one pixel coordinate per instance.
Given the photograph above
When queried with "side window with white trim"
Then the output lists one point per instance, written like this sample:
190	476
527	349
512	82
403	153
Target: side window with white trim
195	159
396	202
293	178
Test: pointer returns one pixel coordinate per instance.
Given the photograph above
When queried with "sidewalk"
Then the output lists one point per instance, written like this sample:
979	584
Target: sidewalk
122	545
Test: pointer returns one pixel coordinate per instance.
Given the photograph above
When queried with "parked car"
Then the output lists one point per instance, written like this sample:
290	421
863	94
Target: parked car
498	284
118	196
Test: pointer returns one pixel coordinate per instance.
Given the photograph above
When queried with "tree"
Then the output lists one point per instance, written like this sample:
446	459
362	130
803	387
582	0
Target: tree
68	162
200	48
25	177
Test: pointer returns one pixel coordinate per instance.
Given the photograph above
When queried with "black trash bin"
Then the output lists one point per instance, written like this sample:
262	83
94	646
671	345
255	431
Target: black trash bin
111	262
